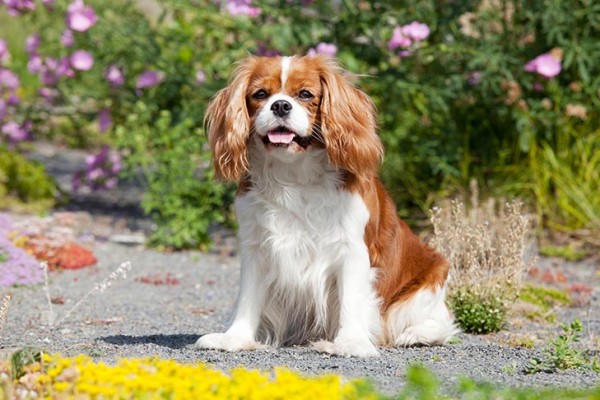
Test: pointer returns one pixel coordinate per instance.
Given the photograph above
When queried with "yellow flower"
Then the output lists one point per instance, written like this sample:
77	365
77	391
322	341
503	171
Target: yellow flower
61	386
153	378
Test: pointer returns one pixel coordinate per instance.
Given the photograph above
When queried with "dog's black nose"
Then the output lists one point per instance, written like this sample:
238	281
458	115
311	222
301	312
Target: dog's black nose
281	108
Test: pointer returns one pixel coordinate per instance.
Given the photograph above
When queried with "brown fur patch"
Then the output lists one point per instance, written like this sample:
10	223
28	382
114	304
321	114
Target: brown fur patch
405	263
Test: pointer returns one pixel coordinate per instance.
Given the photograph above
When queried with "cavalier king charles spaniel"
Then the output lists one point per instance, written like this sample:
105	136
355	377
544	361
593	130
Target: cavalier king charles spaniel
324	257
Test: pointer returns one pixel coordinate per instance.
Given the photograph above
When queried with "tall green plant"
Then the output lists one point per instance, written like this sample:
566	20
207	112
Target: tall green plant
567	182
182	195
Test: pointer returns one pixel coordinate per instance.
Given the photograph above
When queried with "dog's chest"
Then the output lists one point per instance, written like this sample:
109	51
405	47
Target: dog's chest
301	226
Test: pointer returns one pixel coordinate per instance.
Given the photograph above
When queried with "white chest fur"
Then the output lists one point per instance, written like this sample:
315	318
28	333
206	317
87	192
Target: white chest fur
298	228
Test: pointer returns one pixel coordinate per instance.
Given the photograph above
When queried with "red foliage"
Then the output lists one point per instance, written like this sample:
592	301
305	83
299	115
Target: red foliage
554	277
66	255
581	294
156	279
580	288
534	272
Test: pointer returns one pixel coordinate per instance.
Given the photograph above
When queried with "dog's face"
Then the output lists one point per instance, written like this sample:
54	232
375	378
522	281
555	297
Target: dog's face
288	106
283	105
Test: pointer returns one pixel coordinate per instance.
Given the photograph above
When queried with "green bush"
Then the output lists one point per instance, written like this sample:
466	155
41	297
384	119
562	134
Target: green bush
477	312
24	185
560	353
182	195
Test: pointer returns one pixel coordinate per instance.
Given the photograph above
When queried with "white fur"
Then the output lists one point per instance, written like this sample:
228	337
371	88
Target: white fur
297	120
306	273
285	69
423	318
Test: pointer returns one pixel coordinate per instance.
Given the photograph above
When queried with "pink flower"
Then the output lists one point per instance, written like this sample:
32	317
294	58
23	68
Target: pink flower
48	77
15	132
4	54
48	94
67	38
399	39
101	170
538	87
48	71
18	267
242	7
474	78
80	17
328	49
3	108
200	77
18	7
8	79
82	60
325	49
51	63
148	79
406	35
13	99
264	51
114	76
104	120
64	68
32	43
34	65
545	65
114	160
96	174
405	53
111	183
416	31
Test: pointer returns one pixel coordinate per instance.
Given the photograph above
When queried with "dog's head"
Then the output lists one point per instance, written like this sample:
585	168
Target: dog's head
288	106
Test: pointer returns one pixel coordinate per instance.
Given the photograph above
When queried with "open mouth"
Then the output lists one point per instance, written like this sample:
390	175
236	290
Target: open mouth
283	137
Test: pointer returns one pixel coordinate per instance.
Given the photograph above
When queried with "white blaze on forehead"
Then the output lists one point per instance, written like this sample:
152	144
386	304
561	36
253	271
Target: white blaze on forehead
285	69
298	120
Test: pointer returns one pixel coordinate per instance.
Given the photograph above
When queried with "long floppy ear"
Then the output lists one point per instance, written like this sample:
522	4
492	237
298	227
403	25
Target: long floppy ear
348	124
227	124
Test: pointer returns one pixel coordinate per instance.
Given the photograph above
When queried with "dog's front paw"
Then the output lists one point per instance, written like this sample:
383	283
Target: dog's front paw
347	347
226	342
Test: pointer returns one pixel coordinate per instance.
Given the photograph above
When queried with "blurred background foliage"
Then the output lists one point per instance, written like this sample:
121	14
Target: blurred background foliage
456	106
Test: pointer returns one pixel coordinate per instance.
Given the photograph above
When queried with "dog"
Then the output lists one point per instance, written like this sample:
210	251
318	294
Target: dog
324	257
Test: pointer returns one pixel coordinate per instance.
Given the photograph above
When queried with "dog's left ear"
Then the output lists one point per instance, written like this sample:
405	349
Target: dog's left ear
348	126
227	124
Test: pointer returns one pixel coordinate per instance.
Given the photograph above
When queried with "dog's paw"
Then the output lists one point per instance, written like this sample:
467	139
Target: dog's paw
226	342
347	348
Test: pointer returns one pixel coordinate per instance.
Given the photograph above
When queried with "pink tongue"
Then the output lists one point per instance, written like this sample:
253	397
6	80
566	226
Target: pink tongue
280	137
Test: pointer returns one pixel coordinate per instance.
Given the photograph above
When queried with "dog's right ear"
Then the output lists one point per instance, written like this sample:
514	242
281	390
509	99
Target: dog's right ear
227	124
348	123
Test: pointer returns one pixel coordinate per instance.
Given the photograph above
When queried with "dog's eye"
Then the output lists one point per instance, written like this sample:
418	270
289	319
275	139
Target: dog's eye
305	95
260	94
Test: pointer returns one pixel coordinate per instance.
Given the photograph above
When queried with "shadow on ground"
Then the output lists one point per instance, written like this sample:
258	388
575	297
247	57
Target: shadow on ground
170	341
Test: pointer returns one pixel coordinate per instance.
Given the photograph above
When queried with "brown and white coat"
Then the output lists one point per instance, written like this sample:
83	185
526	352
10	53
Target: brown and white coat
325	259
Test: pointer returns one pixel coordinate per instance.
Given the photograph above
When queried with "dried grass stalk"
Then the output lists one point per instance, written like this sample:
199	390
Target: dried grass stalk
119	273
4	305
485	246
100	287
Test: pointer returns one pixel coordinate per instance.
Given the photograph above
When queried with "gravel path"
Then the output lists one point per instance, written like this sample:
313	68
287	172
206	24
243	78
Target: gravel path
136	318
